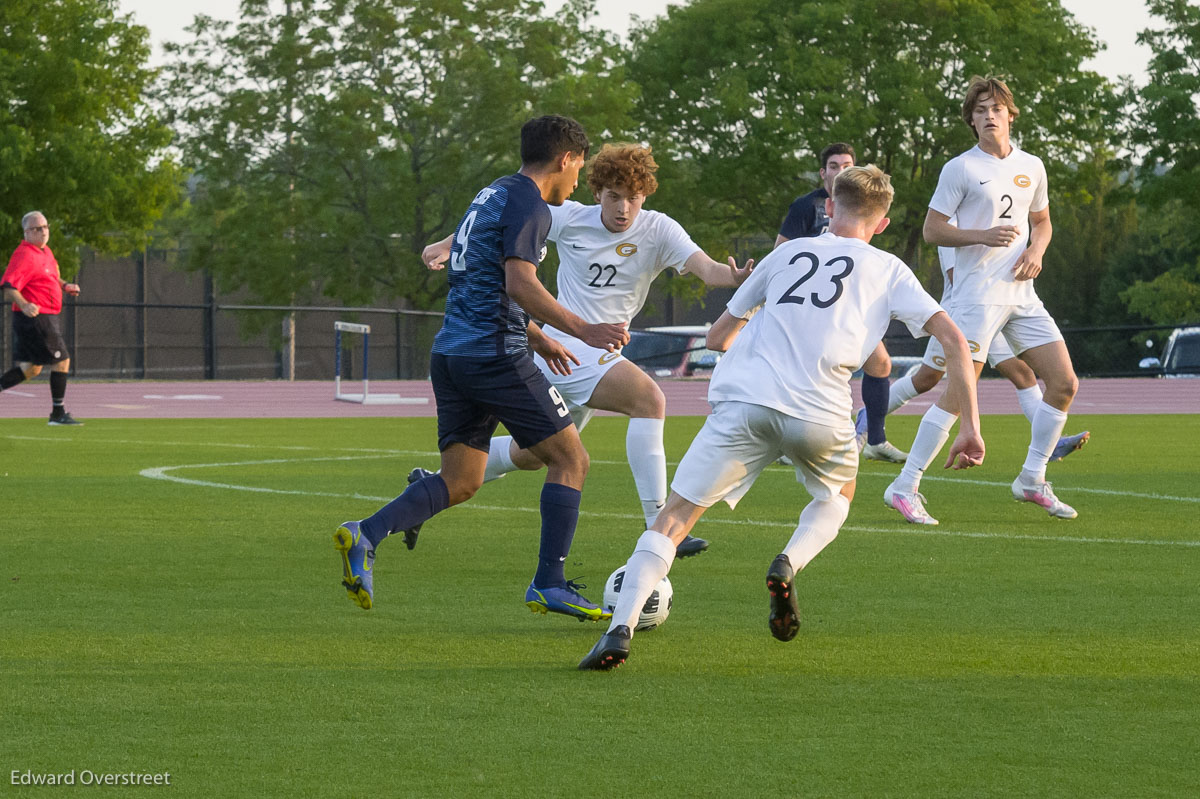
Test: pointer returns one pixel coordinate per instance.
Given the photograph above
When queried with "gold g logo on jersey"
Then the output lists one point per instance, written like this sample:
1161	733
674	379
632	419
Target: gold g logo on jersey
974	345
939	362
1023	181
627	249
609	357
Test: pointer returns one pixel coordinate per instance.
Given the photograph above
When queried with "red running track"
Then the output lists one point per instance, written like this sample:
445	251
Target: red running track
314	399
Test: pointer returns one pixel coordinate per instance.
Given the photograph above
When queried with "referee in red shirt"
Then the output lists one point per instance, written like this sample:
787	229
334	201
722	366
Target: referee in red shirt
32	284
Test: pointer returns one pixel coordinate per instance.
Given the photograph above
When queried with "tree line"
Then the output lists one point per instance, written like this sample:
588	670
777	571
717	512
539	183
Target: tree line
313	148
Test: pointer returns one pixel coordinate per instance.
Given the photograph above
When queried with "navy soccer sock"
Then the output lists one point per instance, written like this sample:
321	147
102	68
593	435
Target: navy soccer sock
421	501
875	399
560	514
11	378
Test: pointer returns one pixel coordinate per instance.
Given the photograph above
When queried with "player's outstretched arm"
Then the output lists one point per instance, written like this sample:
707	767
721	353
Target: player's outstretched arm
968	448
1029	265
716	274
522	284
721	335
435	255
939	231
557	356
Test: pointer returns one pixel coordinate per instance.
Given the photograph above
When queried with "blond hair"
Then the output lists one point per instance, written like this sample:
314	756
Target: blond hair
864	192
984	87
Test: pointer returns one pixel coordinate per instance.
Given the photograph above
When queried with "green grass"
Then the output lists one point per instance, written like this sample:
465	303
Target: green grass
158	626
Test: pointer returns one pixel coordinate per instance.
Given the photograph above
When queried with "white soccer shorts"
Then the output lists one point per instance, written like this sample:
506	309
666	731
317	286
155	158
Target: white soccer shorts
740	439
577	388
1020	327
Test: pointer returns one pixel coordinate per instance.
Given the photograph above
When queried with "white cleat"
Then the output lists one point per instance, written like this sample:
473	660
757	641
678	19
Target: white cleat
1041	494
911	506
886	452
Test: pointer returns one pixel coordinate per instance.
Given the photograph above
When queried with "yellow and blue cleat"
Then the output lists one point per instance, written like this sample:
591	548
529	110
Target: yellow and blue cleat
358	560
565	600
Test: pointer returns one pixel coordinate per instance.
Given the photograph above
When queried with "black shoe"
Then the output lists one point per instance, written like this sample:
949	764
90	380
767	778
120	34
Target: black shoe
690	546
785	611
63	418
410	535
609	652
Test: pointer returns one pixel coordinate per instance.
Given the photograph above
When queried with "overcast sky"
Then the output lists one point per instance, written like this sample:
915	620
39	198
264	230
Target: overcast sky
1117	22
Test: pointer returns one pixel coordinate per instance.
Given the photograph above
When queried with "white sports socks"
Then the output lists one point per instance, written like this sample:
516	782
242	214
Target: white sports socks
819	525
1047	426
649	563
935	429
1030	398
498	463
900	393
648	462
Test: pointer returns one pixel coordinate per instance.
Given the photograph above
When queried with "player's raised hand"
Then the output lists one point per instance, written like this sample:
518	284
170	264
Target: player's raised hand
557	356
966	451
740	275
999	236
1028	266
72	289
436	254
605	336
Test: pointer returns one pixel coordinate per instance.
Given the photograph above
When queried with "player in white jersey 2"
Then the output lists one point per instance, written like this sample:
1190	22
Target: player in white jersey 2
999	356
609	254
784	388
997	192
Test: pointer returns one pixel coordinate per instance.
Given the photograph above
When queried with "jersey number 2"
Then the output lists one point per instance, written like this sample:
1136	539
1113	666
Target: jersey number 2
836	280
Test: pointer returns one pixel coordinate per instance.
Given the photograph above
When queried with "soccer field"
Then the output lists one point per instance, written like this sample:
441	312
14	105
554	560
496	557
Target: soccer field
172	603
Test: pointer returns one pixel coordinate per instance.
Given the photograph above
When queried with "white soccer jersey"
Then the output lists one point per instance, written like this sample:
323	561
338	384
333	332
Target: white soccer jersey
984	191
604	276
827	302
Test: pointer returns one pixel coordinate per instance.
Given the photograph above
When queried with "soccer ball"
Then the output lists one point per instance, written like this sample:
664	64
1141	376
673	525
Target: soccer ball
657	607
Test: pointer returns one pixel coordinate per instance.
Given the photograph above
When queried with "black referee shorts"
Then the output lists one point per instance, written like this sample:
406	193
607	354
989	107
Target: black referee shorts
38	339
475	394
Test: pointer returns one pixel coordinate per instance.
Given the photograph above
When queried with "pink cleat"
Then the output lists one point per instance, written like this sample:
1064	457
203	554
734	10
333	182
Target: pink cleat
911	506
1041	494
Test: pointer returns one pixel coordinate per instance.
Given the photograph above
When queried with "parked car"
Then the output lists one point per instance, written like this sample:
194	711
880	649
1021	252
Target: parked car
1181	356
676	351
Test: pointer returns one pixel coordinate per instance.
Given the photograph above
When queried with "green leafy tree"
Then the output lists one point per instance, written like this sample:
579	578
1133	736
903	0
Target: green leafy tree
77	140
331	140
1169	129
743	117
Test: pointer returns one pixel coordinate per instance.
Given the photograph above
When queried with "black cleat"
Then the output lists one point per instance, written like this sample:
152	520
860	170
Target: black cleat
410	535
609	652
690	546
62	419
785	611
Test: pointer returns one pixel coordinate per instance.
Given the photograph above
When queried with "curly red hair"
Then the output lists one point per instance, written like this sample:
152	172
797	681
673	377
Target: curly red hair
626	166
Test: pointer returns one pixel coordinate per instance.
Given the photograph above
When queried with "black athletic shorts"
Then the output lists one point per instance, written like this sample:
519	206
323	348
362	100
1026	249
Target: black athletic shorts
37	339
475	394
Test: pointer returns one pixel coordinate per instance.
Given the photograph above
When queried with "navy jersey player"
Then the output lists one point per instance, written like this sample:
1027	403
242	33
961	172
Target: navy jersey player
483	371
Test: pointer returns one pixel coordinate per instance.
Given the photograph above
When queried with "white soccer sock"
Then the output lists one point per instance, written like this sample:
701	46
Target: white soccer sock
648	462
935	429
649	563
1048	425
900	393
1030	398
498	463
819	525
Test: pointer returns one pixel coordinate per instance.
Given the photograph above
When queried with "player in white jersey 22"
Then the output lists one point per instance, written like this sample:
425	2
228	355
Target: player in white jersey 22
784	388
999	356
609	254
997	192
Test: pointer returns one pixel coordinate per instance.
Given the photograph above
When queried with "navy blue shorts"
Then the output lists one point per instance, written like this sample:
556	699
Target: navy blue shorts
475	394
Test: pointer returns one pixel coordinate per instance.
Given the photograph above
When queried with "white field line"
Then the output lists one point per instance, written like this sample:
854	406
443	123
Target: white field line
164	473
384	452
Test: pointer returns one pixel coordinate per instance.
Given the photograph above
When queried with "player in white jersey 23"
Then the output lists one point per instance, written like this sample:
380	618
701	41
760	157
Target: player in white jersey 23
999	356
783	388
609	254
997	192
